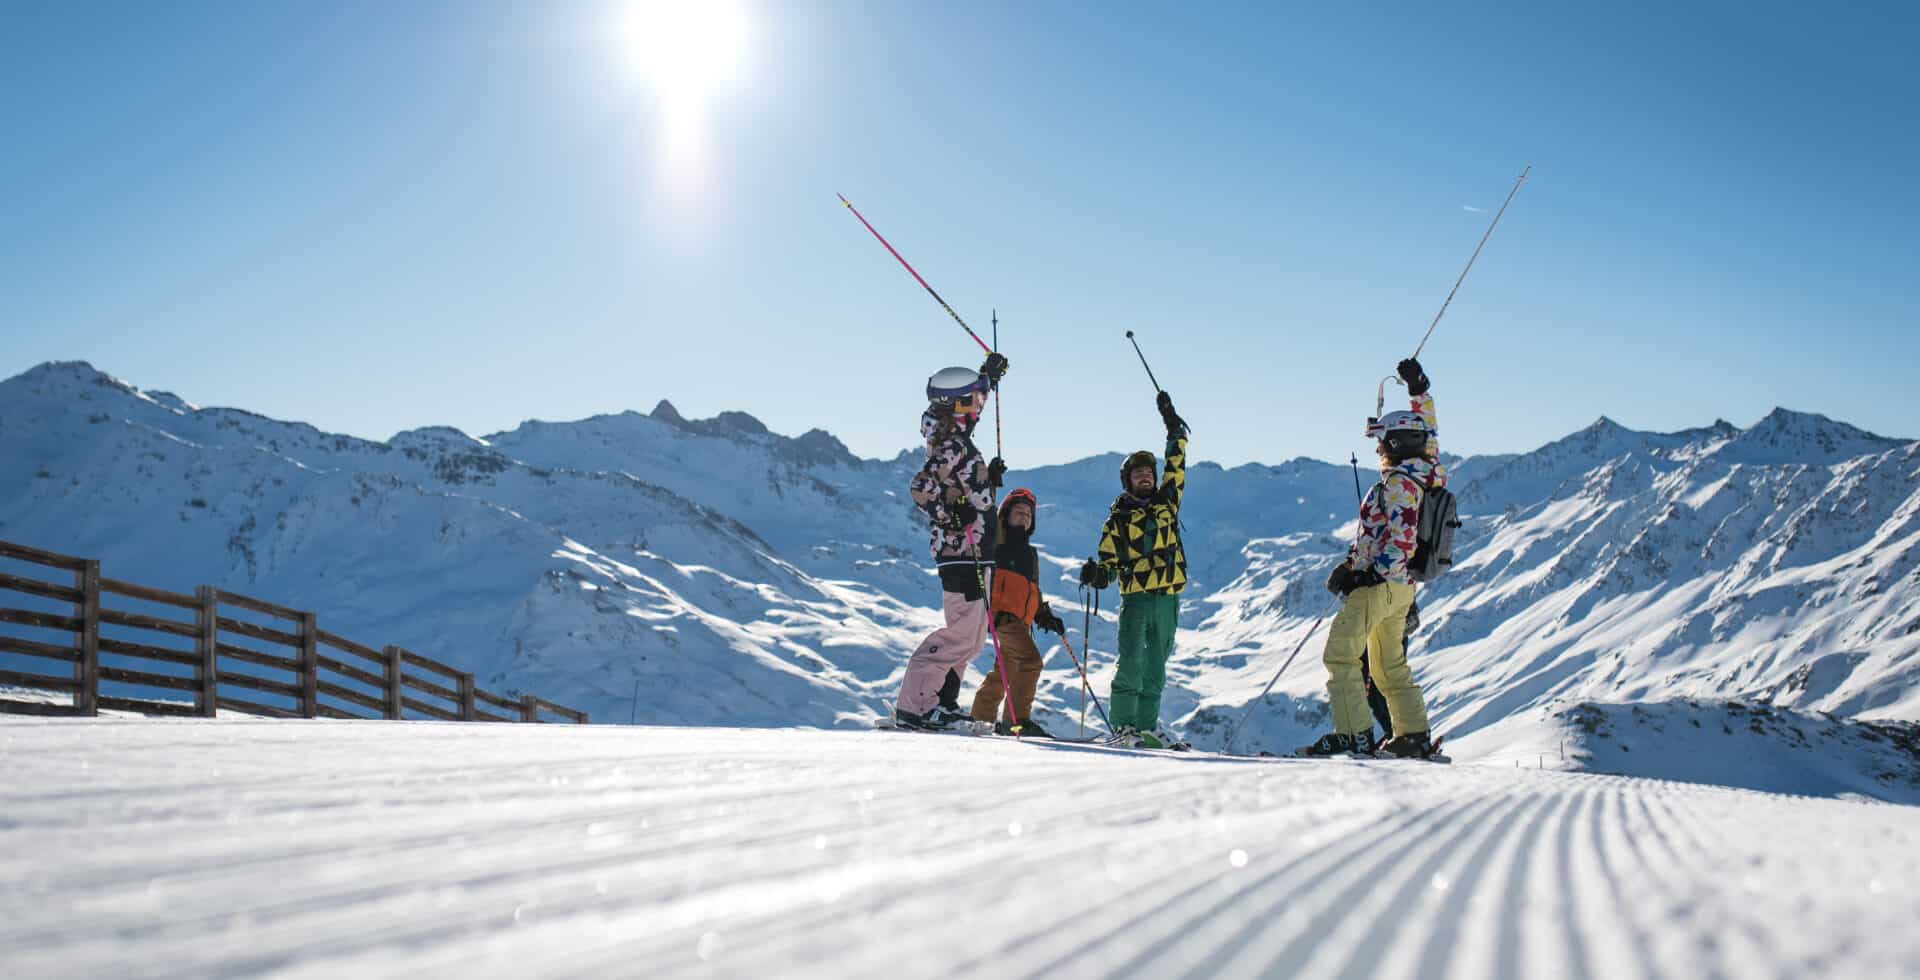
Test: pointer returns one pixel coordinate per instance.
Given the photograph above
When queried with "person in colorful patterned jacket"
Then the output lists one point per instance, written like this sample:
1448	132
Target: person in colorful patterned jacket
954	489
1141	544
1018	606
1378	589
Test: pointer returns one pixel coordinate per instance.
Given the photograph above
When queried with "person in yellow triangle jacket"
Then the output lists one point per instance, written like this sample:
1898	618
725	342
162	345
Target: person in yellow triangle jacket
1141	546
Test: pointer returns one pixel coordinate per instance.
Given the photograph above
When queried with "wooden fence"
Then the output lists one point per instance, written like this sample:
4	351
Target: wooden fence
319	674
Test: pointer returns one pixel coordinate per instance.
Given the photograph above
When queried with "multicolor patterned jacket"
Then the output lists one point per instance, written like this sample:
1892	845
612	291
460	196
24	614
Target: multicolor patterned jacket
1141	541
1390	515
954	471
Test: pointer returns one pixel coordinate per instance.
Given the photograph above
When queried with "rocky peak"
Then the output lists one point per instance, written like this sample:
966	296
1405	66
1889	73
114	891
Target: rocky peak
665	412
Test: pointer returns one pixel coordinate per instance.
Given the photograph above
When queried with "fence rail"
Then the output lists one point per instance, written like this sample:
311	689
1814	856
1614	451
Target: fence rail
215	669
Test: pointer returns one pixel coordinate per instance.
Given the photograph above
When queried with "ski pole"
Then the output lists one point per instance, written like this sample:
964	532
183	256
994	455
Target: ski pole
1470	261
999	663
1086	633
997	448
1354	458
1244	715
1086	685
1143	362
916	275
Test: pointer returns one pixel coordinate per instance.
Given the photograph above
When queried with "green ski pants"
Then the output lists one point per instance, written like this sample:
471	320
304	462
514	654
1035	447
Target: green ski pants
1372	623
1147	622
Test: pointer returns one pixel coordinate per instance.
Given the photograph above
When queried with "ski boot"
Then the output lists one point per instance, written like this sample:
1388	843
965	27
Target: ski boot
1169	741
1335	743
937	719
1126	737
1412	745
1028	729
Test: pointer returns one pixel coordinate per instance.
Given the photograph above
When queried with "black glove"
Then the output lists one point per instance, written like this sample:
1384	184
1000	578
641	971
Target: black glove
1360	580
995	368
1046	620
1094	576
997	473
1337	579
961	514
1176	426
1416	379
1413	620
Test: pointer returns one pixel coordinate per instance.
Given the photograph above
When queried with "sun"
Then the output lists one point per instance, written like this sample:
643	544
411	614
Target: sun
685	52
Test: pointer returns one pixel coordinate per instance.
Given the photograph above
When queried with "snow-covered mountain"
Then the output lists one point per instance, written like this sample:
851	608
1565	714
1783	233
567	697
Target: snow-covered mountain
653	567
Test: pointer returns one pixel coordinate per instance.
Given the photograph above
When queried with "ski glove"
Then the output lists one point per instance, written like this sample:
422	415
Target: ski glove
1094	576
997	473
1345	580
960	515
995	368
1415	377
1176	426
1337	579
1361	580
1413	620
1046	620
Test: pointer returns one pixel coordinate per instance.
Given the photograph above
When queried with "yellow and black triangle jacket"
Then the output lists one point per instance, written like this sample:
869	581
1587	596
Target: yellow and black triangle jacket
1141	542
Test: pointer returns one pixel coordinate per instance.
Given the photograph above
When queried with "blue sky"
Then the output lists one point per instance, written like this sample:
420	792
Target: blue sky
375	216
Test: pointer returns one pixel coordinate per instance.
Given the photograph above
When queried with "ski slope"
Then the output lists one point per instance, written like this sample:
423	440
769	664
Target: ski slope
326	849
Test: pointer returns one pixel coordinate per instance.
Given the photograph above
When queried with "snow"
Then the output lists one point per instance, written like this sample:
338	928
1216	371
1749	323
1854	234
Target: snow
322	849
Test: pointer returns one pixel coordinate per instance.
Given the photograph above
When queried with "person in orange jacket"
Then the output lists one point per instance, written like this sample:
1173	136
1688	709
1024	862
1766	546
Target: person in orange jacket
1018	606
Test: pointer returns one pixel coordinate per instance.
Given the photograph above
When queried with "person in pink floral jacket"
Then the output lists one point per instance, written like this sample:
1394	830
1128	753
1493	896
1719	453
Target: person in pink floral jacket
1378	588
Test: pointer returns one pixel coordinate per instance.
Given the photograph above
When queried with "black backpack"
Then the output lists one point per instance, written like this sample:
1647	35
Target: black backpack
1433	541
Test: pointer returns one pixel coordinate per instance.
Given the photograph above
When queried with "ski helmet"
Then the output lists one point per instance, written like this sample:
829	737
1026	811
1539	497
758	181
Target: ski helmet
952	384
1402	435
1022	496
1134	462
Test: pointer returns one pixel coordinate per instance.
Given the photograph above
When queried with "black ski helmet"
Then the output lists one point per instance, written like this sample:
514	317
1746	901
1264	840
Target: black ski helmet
949	385
1134	462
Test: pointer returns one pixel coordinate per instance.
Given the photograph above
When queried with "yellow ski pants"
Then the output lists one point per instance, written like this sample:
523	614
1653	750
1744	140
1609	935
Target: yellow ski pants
1373	622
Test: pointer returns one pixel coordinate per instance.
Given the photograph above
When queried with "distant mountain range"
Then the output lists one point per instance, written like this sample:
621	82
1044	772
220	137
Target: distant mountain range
711	571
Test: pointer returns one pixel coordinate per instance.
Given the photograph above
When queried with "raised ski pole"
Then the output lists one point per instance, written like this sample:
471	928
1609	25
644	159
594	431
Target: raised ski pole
997	449
1143	362
1358	497
916	275
1470	261
1244	715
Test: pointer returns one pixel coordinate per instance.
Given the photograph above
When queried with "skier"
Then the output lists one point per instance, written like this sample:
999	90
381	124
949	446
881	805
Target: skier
954	488
1378	590
1018	606
1141	544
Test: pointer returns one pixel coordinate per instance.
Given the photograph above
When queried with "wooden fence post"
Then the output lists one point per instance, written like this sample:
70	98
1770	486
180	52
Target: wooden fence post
86	697
529	708
206	643
394	683
309	665
467	707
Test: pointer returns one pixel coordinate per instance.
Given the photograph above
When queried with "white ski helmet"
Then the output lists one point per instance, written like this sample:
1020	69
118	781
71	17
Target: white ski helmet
1403	435
954	383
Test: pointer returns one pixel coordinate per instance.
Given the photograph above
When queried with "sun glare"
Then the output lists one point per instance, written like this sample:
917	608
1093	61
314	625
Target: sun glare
686	51
687	55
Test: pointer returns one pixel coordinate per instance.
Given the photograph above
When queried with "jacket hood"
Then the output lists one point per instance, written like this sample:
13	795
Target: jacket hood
936	423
